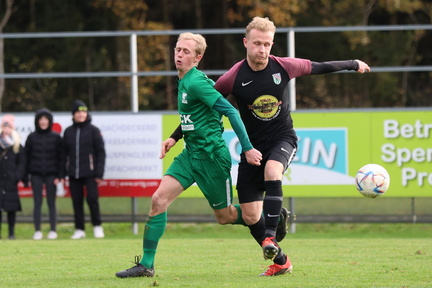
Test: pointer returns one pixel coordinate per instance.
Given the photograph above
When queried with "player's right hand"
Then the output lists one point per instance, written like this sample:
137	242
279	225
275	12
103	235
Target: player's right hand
253	157
363	67
166	146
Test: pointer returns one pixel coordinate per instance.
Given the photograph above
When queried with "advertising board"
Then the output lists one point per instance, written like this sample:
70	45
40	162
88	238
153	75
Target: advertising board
332	146
132	144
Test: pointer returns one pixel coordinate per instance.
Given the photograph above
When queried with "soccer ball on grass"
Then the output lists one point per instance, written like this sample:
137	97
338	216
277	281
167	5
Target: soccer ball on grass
372	180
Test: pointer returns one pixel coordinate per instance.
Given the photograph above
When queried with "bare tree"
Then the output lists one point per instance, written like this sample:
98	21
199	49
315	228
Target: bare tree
3	21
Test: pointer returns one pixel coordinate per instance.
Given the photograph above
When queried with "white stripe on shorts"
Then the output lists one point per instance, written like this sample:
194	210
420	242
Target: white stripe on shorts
228	192
292	156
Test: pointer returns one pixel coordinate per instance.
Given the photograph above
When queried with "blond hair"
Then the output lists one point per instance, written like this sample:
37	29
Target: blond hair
200	41
16	139
260	24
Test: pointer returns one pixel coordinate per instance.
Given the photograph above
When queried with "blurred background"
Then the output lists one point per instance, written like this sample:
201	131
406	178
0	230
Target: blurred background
155	53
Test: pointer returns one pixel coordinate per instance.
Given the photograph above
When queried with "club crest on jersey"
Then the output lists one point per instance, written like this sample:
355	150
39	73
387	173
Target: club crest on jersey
184	98
277	79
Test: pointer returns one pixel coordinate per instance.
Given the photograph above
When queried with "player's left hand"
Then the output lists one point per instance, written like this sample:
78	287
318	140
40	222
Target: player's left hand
253	157
166	146
363	67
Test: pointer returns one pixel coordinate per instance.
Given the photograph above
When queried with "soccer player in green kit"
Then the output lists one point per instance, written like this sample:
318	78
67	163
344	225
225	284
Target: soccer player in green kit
205	160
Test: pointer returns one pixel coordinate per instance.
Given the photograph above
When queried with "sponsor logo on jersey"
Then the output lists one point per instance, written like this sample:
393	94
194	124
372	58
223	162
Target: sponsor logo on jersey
266	107
185	119
184	98
277	79
186	123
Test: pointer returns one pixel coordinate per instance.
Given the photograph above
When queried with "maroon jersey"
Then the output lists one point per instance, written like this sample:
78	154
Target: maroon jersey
262	98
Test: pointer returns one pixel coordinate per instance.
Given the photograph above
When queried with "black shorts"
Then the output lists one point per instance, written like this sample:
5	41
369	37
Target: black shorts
250	180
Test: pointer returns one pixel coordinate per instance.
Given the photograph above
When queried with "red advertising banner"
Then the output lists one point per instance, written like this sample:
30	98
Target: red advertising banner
113	188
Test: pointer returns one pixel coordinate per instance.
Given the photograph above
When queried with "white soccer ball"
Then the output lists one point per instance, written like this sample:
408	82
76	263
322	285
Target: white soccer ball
372	180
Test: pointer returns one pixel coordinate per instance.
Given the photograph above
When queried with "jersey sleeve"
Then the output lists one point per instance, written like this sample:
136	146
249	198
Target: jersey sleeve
333	66
225	83
295	67
203	88
177	134
224	107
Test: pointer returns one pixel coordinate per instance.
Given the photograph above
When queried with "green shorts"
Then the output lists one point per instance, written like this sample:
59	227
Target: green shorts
211	175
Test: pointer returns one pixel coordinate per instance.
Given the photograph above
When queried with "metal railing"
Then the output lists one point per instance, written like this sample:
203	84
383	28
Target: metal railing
134	73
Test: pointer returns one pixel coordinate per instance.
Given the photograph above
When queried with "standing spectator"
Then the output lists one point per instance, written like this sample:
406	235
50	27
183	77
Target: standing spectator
85	163
44	149
12	170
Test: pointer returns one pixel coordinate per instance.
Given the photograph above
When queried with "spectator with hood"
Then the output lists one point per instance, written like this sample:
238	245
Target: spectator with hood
44	151
84	149
12	171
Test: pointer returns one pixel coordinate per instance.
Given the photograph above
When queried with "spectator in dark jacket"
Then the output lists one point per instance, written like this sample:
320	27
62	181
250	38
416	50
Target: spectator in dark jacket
85	164
45	165
12	170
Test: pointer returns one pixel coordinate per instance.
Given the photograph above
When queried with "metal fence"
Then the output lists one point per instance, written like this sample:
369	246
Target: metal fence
134	73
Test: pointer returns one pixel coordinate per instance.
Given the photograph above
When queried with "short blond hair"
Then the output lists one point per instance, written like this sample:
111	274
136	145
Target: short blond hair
200	41
260	24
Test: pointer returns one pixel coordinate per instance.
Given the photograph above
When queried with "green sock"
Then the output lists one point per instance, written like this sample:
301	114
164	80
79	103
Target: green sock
154	229
239	219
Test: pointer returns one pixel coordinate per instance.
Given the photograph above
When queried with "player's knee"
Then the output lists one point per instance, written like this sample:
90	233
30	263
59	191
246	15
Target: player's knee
223	217
223	220
158	204
251	219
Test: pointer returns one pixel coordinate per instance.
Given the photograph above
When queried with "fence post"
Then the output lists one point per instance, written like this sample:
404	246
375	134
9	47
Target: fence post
134	107
292	103
292	226
292	82
134	71
413	212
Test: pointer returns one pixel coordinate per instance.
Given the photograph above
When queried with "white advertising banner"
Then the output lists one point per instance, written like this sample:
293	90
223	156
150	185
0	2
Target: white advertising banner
132	144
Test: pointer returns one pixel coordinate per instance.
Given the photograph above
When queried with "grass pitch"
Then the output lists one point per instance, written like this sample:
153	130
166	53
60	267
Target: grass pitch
210	255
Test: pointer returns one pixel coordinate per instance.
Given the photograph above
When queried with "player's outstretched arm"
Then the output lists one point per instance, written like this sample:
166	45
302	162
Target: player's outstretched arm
363	67
334	66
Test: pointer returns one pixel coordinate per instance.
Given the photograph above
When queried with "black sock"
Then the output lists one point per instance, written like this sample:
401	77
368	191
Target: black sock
272	206
257	230
280	258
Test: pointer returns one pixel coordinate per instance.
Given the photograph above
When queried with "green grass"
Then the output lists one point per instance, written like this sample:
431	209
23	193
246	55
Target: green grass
210	255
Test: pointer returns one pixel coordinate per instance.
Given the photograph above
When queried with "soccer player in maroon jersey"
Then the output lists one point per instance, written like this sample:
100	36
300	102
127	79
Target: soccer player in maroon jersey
258	84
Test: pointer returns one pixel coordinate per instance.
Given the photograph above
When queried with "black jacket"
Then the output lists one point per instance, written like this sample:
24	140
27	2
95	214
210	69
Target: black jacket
44	149
12	170
84	150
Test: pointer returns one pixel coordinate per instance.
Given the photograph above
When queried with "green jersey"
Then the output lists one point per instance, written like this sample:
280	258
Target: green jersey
201	124
206	159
